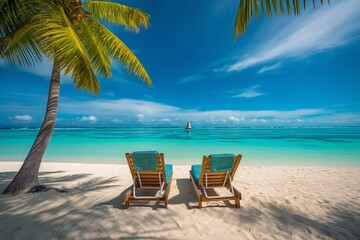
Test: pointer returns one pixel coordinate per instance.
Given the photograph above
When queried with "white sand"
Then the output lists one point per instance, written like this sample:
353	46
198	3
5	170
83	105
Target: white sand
278	203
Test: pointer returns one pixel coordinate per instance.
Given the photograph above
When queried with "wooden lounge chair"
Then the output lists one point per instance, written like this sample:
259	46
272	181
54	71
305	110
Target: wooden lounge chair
148	171
217	170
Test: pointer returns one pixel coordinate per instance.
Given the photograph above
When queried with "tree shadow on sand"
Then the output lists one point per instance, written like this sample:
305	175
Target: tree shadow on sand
341	221
338	219
73	215
44	178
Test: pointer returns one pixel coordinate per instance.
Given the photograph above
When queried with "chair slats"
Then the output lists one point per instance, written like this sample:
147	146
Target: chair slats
215	179
148	179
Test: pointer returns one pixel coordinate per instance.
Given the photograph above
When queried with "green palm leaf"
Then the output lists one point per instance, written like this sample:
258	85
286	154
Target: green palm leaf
21	48
119	51
247	8
65	31
60	40
17	42
99	57
132	18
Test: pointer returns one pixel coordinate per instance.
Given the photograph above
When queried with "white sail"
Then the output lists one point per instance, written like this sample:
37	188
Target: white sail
188	126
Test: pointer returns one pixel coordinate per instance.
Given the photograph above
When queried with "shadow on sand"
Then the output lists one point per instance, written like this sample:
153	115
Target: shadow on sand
74	215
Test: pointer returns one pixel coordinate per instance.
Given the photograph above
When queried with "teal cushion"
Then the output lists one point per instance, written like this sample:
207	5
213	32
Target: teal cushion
222	162
196	170
168	171
145	160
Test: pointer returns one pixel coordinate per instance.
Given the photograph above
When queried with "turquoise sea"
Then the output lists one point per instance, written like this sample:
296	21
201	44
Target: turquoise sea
323	146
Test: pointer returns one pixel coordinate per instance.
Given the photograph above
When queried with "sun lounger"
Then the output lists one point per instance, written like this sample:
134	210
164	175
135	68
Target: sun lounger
148	171
216	171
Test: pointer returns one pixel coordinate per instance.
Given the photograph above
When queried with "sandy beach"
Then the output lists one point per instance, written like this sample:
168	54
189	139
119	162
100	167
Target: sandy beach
278	203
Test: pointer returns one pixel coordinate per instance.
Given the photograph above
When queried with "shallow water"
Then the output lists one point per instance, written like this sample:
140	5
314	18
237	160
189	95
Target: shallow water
333	146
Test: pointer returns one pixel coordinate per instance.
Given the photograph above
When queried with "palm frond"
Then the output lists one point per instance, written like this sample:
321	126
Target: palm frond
99	58
60	40
247	7
17	41
132	18
20	47
33	29
15	13
119	51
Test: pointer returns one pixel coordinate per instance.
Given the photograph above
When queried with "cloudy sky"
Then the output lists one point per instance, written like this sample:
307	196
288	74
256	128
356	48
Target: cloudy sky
285	71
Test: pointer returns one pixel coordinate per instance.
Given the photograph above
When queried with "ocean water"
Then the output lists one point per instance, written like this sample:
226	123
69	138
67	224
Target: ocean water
332	146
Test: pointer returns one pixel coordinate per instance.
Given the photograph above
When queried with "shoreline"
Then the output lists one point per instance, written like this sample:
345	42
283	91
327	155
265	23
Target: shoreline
195	163
278	202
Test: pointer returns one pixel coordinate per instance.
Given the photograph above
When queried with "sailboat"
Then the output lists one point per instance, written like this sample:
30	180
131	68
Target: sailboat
188	127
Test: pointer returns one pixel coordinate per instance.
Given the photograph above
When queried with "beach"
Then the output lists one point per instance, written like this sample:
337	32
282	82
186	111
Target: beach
279	202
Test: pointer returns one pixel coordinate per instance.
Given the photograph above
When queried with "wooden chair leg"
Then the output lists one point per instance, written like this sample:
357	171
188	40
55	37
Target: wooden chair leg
168	191
237	202
127	197
238	198
200	201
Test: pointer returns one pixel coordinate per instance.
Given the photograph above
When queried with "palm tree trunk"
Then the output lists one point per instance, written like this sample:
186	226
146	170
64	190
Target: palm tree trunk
27	177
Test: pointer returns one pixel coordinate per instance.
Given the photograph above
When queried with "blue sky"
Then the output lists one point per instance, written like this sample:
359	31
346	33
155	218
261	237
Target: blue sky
285	71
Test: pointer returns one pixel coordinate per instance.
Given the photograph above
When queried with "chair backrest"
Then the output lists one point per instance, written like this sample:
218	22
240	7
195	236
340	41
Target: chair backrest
216	167
148	164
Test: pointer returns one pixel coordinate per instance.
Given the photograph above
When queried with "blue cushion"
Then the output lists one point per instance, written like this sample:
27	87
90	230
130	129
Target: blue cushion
222	162
145	160
196	170
168	171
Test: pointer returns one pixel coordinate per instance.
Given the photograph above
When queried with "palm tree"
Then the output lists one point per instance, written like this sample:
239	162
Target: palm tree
247	9
70	34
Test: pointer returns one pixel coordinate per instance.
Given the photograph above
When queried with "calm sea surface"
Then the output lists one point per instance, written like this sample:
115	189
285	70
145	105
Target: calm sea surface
338	146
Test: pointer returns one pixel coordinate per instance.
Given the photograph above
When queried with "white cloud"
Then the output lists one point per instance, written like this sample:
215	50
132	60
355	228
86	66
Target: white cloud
129	110
125	107
89	119
192	78
312	31
236	119
250	92
24	118
255	120
269	68
43	69
117	120
166	120
140	117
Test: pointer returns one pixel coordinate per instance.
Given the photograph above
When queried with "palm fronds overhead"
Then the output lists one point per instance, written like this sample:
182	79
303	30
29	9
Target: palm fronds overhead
70	32
248	8
132	18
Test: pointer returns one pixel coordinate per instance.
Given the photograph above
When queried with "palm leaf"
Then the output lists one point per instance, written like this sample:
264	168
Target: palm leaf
15	13
60	40
80	47
245	11
99	58
119	51
132	18
20	47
